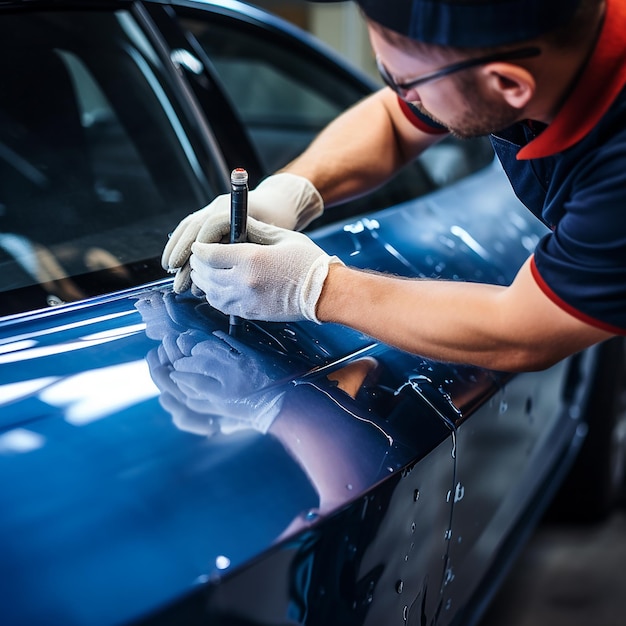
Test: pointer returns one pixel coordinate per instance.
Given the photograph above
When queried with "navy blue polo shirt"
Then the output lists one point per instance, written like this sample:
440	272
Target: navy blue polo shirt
572	175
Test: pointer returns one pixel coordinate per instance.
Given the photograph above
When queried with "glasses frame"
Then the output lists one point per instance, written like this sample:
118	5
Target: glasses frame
403	89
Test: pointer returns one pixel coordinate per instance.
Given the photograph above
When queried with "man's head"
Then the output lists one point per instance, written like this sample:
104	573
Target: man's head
487	63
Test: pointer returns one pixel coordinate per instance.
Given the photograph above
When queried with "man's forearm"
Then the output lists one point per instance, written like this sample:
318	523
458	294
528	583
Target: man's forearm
420	316
361	149
512	328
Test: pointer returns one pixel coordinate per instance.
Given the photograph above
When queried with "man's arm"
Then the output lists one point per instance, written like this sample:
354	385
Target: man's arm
361	149
356	153
515	328
281	275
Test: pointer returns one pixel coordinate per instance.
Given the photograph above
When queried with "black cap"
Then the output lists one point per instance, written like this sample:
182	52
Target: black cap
470	23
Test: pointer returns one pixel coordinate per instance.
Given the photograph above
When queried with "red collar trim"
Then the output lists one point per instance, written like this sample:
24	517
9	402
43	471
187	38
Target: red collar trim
599	85
427	126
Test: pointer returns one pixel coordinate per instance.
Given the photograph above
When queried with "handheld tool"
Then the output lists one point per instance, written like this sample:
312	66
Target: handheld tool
238	218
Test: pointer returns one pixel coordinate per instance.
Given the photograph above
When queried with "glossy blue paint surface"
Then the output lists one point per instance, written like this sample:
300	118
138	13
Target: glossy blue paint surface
146	454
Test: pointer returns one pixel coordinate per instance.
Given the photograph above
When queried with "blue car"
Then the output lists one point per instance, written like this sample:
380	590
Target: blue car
160	469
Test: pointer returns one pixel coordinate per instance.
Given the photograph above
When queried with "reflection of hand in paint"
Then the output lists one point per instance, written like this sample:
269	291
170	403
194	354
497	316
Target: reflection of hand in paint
172	399
166	313
213	383
223	376
339	443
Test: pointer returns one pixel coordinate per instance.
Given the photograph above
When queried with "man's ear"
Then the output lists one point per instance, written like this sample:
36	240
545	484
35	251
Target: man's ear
515	84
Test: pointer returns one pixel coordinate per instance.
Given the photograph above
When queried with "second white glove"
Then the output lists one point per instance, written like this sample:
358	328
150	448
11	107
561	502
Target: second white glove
277	277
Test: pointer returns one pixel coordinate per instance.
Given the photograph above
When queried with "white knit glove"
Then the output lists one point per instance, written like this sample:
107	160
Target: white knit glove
279	280
285	200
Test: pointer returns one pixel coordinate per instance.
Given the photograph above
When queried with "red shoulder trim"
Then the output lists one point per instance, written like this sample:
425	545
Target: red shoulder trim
568	308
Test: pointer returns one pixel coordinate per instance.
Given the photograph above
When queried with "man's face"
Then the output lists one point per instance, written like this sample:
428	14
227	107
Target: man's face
480	115
460	102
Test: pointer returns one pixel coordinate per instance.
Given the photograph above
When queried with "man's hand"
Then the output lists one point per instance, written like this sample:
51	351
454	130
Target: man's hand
278	276
285	200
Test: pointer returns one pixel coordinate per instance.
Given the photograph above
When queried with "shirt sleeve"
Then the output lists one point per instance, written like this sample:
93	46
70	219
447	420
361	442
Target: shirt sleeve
581	265
420	120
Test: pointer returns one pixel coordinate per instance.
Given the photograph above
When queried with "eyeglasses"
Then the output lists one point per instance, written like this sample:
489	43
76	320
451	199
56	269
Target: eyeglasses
403	89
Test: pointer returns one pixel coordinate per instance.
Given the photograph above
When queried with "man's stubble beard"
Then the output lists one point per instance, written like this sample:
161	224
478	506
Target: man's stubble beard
480	117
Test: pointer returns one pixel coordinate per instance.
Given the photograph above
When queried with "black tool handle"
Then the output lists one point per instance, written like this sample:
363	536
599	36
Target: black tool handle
238	216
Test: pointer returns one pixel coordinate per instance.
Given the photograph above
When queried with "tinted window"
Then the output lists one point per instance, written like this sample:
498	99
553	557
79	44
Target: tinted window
283	97
96	164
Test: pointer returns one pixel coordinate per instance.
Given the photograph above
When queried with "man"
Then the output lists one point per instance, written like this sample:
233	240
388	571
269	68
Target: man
547	80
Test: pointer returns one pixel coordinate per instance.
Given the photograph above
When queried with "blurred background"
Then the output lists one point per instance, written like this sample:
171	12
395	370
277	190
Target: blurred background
338	24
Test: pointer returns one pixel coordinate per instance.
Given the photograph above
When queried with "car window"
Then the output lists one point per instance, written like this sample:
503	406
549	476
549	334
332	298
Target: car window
282	95
96	163
285	95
